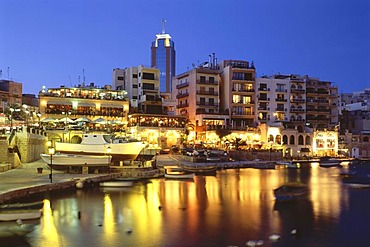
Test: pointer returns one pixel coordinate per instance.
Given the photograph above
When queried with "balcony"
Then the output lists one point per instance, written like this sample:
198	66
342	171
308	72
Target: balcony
297	90
297	110
296	100
281	90
245	90
182	95
280	109
263	99
263	108
207	104
263	89
243	103
281	100
207	93
207	82
182	105
182	85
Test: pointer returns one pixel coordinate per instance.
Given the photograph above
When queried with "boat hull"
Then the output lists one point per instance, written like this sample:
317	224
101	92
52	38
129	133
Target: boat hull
200	169
118	151
20	215
117	184
180	176
77	160
290	192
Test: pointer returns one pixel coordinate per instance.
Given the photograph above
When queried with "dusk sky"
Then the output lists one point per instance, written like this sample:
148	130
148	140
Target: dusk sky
51	42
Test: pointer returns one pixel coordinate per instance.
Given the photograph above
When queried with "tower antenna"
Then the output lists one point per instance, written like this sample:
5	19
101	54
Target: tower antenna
83	78
163	26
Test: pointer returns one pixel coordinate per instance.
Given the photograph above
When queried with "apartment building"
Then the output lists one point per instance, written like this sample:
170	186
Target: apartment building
142	86
198	97
321	104
238	93
297	101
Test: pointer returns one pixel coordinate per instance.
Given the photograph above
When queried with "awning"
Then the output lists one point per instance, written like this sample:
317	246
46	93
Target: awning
305	150
59	103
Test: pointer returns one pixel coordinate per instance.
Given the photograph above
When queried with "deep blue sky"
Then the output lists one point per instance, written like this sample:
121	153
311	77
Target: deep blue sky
51	42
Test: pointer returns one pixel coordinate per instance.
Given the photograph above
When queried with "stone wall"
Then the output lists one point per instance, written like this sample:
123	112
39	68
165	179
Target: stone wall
30	146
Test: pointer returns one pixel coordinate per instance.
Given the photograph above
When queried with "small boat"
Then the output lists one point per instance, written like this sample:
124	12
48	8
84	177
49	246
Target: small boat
178	173
26	205
327	161
13	215
65	160
290	191
117	184
200	169
357	175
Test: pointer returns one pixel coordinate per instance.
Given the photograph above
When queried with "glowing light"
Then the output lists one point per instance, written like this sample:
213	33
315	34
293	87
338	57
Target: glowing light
50	235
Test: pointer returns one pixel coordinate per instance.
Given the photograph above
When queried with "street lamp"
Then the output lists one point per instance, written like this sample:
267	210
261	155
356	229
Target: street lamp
51	151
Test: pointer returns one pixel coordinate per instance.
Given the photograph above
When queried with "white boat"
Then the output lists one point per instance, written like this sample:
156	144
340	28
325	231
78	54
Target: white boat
77	160
117	184
25	205
329	162
103	144
14	215
178	173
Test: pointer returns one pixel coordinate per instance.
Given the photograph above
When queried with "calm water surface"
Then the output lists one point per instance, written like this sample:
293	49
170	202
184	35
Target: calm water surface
228	209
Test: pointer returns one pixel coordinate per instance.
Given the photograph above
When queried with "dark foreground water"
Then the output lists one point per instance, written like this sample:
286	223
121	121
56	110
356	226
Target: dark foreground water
228	209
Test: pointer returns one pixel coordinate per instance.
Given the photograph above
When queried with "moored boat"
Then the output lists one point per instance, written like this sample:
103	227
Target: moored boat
13	215
76	160
200	169
118	148
327	161
117	184
178	173
290	191
357	175
25	205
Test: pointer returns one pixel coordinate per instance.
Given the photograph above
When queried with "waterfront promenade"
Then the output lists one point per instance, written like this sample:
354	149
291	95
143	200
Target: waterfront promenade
25	180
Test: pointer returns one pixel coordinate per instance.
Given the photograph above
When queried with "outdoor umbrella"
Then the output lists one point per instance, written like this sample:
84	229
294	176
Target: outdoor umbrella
48	120
83	119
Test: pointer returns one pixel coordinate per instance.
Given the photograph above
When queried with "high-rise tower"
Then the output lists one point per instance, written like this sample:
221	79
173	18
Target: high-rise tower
164	58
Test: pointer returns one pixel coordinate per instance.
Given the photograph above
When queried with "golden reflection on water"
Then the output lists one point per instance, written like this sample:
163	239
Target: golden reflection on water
49	231
108	220
325	191
242	199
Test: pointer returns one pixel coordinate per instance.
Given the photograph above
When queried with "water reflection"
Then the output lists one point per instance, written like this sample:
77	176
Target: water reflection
49	231
227	209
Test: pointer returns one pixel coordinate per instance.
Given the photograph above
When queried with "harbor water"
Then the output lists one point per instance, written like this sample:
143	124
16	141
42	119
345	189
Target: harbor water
234	208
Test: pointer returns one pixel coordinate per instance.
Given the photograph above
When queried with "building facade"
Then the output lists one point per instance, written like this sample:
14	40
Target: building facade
142	86
163	57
